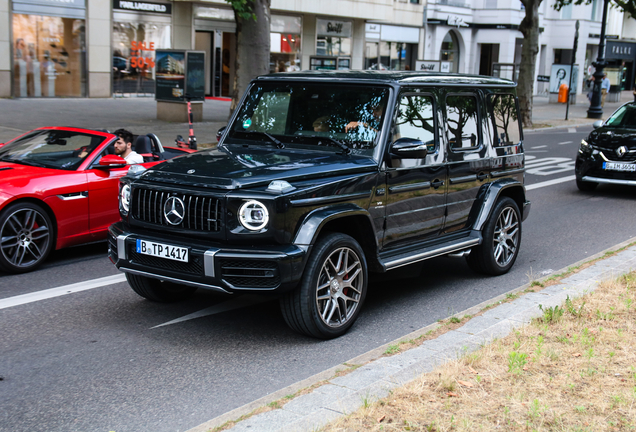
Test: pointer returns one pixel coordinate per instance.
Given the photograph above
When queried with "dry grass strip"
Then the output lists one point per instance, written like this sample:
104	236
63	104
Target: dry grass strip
573	369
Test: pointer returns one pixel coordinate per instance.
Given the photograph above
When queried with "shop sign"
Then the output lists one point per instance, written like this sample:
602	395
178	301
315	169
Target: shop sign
427	65
333	28
137	6
620	50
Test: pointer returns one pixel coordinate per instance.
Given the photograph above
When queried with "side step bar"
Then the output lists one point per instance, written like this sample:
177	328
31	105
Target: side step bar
458	246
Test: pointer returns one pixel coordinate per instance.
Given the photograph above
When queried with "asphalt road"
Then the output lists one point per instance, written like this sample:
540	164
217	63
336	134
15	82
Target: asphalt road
106	360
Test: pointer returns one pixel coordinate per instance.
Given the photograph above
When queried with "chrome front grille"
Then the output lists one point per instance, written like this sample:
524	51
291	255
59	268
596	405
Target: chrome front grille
201	213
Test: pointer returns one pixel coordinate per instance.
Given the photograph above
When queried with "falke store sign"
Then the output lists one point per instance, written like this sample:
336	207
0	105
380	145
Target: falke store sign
333	28
162	8
620	50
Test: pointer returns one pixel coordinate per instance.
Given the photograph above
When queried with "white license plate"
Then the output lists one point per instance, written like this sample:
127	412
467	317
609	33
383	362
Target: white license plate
614	166
162	250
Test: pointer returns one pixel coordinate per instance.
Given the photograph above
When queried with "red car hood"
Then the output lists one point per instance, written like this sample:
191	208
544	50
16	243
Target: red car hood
19	179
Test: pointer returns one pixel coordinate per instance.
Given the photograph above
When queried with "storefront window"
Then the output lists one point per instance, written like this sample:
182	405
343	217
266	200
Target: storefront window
49	56
134	45
285	43
450	52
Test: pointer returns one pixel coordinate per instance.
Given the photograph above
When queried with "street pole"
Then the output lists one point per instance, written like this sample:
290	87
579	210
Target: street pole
595	110
576	44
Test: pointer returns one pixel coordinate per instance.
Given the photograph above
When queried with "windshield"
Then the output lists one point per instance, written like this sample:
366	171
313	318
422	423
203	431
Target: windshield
624	117
337	117
51	149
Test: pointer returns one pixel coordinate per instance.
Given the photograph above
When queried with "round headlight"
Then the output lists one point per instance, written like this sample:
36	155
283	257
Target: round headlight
124	198
253	215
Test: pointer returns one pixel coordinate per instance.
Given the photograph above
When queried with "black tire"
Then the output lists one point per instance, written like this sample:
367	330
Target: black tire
585	186
158	291
316	307
501	240
27	236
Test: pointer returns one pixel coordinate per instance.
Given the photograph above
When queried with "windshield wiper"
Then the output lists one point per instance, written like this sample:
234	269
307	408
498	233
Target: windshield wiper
272	138
335	142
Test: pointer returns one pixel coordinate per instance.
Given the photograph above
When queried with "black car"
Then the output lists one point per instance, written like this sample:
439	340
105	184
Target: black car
323	178
608	155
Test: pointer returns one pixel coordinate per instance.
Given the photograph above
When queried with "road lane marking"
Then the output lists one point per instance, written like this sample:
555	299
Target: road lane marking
538	147
60	291
237	303
572	130
550	182
566	142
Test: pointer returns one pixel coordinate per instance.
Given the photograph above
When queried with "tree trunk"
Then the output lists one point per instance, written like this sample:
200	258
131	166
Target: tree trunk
252	48
529	27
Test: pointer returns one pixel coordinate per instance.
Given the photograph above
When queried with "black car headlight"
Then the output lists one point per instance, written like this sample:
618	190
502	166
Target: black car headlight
124	199
253	215
585	147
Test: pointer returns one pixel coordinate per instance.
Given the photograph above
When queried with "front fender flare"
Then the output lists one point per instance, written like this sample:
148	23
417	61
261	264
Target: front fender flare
314	222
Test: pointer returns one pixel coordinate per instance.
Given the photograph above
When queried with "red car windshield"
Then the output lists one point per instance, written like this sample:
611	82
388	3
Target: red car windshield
51	148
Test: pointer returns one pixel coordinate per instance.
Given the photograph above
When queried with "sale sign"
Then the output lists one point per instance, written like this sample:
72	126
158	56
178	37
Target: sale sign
137	59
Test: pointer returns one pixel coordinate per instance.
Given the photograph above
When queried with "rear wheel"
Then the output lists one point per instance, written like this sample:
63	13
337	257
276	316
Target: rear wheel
585	186
332	289
26	237
158	291
502	236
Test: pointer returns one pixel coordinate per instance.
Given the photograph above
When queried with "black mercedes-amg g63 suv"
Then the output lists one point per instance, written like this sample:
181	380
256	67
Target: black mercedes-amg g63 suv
324	178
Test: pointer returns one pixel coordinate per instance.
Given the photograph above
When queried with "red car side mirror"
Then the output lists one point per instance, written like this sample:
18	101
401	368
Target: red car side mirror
112	161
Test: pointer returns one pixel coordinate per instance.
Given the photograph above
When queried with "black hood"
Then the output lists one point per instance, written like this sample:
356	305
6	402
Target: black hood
613	137
238	167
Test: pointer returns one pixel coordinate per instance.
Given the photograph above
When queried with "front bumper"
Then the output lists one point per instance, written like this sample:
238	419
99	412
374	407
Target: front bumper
210	265
589	168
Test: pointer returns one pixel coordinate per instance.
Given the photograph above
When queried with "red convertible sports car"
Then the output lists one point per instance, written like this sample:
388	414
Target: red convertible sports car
59	187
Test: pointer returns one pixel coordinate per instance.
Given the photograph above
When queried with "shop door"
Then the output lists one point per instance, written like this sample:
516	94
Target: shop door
219	49
203	42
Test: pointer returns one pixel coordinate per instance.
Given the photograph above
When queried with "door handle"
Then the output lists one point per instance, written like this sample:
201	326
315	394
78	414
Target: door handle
482	176
437	183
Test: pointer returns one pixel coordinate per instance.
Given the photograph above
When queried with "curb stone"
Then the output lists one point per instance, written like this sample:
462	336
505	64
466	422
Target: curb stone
374	380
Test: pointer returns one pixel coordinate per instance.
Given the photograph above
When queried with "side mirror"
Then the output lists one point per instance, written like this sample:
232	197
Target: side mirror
597	124
219	133
408	148
112	161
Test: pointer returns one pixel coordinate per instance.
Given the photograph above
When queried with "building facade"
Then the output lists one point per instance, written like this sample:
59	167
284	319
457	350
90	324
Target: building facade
96	48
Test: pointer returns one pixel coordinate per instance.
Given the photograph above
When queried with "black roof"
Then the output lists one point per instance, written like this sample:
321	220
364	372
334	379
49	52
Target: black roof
398	77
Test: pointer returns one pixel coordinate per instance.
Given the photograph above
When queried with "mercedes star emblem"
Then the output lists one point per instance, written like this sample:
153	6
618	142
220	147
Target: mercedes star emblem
174	210
621	151
191	171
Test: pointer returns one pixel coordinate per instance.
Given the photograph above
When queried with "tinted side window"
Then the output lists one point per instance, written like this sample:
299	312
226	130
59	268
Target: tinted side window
506	117
462	122
415	119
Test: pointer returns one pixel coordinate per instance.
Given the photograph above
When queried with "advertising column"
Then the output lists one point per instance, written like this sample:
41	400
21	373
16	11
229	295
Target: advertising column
49	48
139	28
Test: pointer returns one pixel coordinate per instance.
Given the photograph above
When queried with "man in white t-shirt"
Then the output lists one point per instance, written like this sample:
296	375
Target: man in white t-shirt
123	147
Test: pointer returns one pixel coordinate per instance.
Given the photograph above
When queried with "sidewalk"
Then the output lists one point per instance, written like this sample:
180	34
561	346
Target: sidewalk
337	396
139	115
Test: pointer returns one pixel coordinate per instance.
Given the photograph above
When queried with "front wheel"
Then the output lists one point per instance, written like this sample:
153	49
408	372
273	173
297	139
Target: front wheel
26	237
332	289
158	291
501	239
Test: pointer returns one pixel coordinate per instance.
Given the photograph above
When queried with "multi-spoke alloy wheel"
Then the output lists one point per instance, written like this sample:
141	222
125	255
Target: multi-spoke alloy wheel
26	237
332	289
506	238
338	292
502	237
